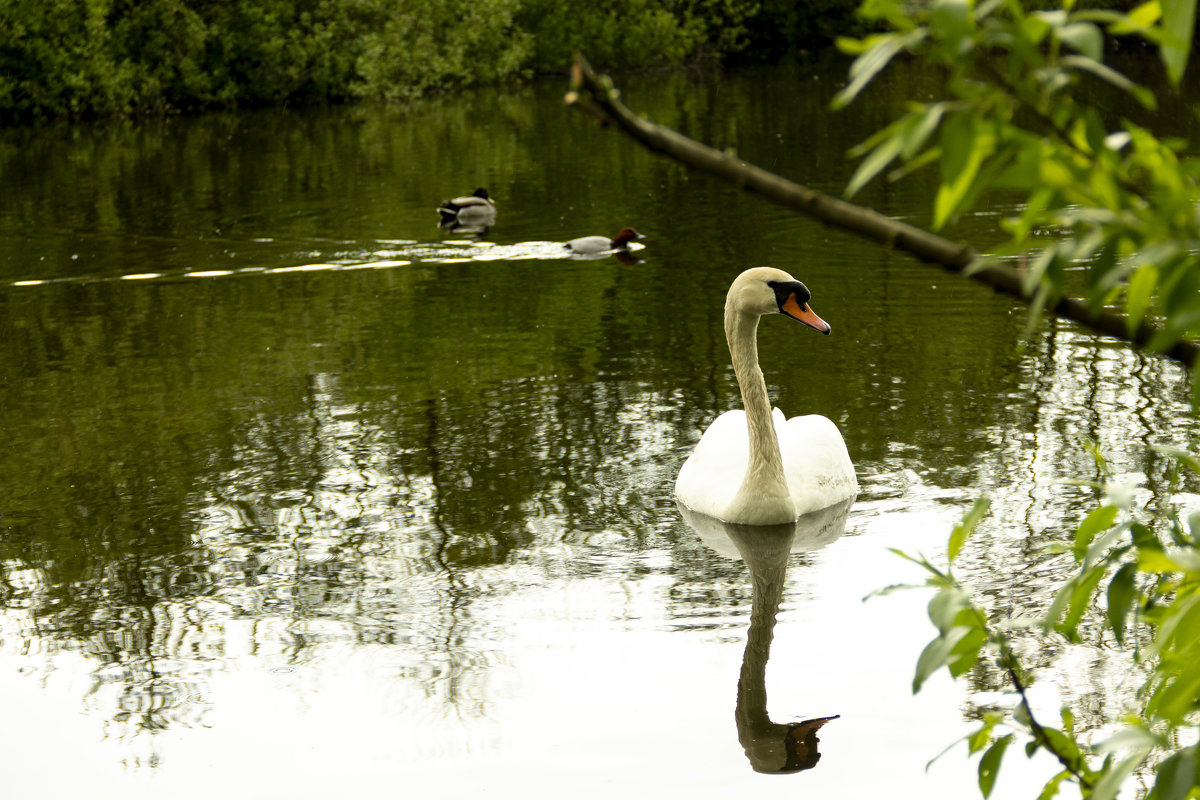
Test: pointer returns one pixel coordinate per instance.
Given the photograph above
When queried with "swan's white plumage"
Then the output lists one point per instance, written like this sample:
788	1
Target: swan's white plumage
720	478
815	460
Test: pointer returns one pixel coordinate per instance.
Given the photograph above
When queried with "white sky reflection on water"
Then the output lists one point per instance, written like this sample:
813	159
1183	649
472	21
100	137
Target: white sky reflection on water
566	679
426	541
579	642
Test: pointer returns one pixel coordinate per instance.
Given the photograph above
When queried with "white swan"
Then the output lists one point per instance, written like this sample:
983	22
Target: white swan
752	467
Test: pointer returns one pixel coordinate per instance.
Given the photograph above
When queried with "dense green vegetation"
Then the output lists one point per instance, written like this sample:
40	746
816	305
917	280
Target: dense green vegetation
1108	209
115	57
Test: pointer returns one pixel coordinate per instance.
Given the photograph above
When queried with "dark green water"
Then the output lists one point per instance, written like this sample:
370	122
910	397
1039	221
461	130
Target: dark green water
303	494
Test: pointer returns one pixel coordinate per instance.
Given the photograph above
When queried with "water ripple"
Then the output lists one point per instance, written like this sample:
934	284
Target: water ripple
396	254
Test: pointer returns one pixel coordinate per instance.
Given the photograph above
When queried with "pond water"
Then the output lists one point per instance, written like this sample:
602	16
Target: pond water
304	495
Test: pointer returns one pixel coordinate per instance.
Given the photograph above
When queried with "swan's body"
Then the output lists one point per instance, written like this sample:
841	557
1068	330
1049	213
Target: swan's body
472	209
602	244
753	467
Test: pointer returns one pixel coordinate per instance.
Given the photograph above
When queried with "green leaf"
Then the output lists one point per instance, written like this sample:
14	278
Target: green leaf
883	49
1176	697
1083	37
977	740
950	21
966	650
1138	20
1196	388
871	166
1062	745
1081	596
964	147
1131	738
1178	23
1140	93
1055	19
935	655
1051	787
964	529
1138	293
1103	544
1120	596
1183	457
945	607
1110	783
1073	598
1100	519
922	127
1181	628
989	765
1152	559
1175	776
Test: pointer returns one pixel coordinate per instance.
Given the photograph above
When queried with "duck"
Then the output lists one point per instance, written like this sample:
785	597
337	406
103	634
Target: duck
752	466
602	244
475	209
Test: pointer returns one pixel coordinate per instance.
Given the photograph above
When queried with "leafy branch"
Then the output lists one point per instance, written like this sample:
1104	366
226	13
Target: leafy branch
1152	565
1118	202
597	96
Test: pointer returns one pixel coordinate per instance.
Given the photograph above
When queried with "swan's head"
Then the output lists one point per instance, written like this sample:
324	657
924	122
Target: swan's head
766	290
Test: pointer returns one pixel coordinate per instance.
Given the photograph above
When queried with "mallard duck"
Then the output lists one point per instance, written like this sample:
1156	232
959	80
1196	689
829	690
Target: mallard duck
475	209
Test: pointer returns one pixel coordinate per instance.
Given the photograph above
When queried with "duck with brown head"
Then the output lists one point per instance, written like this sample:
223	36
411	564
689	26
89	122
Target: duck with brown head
602	244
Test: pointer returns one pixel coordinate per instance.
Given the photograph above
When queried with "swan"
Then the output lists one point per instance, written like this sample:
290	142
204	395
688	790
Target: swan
472	209
602	244
752	467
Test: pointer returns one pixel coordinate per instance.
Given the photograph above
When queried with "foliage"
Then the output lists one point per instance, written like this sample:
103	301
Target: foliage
1021	114
624	34
422	46
106	57
1145	564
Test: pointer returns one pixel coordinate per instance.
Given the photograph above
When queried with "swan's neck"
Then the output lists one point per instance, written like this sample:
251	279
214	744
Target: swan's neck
751	710
763	497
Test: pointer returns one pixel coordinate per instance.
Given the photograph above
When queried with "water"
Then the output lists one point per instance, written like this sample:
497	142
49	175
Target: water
303	494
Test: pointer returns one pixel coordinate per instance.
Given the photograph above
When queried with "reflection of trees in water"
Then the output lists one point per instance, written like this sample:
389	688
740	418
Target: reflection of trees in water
180	491
1084	391
374	522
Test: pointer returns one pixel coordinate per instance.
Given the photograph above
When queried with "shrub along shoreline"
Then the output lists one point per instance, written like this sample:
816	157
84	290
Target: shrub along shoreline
98	58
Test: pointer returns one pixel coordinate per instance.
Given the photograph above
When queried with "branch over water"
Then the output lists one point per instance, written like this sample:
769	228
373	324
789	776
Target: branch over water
597	96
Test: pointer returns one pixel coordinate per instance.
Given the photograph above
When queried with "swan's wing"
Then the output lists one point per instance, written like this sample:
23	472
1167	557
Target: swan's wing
712	474
816	462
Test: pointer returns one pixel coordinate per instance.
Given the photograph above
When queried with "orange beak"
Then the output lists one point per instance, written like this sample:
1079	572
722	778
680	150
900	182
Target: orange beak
802	313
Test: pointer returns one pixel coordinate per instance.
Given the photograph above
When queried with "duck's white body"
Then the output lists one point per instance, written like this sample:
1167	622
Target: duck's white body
602	244
753	467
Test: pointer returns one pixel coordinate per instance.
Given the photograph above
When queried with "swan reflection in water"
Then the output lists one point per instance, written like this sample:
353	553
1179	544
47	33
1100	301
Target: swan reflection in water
770	747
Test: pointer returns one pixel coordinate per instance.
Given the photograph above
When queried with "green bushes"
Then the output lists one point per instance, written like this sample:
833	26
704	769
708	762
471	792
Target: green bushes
424	45
114	57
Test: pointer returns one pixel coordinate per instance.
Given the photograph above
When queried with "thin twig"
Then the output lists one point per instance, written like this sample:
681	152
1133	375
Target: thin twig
1009	662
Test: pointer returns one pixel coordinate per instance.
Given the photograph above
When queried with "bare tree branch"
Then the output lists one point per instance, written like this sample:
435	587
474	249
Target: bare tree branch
595	95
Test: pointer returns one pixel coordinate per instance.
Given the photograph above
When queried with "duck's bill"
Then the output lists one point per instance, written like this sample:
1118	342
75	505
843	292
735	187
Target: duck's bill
802	313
